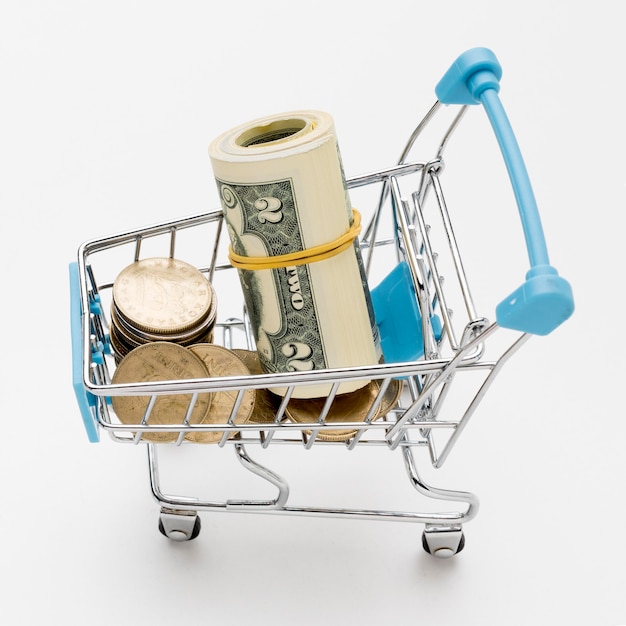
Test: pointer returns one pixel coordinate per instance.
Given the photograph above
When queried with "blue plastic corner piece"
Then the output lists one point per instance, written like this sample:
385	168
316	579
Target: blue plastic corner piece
95	306
541	304
474	71
398	317
86	401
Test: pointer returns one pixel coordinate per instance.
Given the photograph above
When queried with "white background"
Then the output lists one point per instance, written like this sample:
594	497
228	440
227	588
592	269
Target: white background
107	110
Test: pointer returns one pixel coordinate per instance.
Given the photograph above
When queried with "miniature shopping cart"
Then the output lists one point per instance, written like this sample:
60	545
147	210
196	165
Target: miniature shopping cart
433	339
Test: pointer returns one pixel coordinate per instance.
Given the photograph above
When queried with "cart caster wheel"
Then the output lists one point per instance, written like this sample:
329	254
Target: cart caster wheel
179	526
443	542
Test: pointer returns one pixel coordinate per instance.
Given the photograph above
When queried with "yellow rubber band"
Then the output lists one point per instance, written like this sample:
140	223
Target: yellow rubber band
309	255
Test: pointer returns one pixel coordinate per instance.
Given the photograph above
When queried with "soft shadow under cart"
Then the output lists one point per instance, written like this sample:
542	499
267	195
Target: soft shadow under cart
433	338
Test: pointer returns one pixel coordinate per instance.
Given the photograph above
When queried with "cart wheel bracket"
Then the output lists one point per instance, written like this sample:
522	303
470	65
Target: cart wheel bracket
179	525
443	542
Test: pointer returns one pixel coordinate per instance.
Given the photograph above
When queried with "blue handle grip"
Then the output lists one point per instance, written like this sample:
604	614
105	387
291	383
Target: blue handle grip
545	299
86	401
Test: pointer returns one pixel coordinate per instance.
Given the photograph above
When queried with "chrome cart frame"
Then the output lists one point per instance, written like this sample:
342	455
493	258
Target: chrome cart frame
439	339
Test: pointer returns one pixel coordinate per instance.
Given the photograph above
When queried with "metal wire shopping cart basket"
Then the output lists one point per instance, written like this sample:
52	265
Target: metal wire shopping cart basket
431	333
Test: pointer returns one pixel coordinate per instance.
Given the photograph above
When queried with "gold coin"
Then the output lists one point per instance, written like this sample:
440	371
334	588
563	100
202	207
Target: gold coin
390	397
266	403
162	295
346	407
155	362
251	360
220	361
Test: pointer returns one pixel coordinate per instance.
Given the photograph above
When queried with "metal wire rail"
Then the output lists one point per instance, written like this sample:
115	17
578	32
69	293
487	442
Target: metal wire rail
407	232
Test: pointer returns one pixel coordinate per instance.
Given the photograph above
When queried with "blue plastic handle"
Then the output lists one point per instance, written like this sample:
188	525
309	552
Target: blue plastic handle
545	299
86	401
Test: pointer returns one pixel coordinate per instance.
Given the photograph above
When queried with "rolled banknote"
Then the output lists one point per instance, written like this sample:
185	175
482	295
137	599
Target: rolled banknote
294	240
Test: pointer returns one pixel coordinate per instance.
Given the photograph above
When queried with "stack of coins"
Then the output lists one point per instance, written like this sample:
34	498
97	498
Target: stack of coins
161	299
